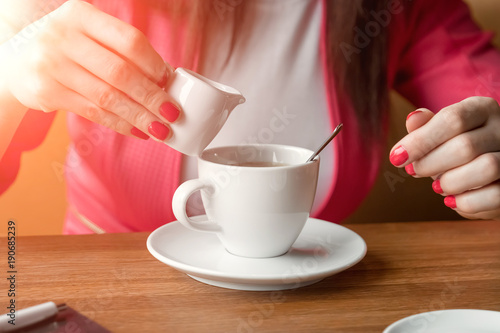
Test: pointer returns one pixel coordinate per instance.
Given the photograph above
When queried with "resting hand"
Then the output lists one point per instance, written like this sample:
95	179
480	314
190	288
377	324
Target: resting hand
82	60
459	148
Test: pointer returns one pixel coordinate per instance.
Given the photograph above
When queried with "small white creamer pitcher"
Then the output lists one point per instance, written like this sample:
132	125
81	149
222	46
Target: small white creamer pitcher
205	104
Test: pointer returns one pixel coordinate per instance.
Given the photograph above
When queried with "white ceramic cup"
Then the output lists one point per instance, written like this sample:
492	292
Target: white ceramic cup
255	211
205	104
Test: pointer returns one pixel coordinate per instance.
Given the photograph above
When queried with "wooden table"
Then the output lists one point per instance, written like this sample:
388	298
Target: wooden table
409	268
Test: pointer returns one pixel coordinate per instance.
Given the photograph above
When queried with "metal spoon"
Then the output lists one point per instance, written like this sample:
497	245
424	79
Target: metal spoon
334	133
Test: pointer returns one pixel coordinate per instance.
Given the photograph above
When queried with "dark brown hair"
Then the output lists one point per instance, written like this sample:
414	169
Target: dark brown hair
360	69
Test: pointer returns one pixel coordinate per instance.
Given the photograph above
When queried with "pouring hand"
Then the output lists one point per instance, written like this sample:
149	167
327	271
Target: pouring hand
82	60
460	148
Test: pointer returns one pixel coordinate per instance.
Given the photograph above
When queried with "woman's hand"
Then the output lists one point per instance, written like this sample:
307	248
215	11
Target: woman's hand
82	60
459	148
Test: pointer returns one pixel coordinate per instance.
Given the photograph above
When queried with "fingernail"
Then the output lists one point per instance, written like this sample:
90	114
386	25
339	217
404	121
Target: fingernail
169	111
163	80
398	156
158	130
138	133
409	169
412	113
450	201
436	186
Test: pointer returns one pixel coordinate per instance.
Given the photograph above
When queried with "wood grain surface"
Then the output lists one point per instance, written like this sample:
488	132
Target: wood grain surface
409	268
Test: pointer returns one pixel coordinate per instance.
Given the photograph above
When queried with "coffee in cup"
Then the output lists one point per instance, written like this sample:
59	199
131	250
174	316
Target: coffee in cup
257	198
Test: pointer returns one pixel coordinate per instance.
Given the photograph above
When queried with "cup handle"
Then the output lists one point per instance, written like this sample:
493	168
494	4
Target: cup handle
179	202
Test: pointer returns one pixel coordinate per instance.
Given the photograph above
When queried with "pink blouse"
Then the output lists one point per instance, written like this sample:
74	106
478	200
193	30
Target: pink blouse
437	56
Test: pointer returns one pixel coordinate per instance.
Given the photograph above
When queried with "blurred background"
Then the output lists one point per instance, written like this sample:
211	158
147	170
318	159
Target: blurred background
37	202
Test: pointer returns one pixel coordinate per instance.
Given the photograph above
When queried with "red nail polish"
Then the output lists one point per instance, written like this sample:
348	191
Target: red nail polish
398	156
412	113
409	169
158	130
138	133
169	111
450	201
436	186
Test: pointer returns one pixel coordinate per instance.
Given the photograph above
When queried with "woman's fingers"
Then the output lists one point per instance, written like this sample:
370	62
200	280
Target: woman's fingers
117	36
483	170
119	64
70	100
483	199
448	123
112	100
417	119
122	75
488	215
460	148
85	108
459	151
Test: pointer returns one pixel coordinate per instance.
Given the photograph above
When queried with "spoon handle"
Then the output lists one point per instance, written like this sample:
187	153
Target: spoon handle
330	138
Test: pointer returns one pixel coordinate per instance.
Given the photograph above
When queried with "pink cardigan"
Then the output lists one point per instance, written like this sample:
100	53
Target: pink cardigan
437	57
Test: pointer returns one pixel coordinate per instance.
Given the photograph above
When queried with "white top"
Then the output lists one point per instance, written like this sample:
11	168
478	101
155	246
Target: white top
277	67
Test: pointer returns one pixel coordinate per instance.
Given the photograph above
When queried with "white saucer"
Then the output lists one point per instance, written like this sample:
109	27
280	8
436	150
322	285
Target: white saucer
322	249
449	321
